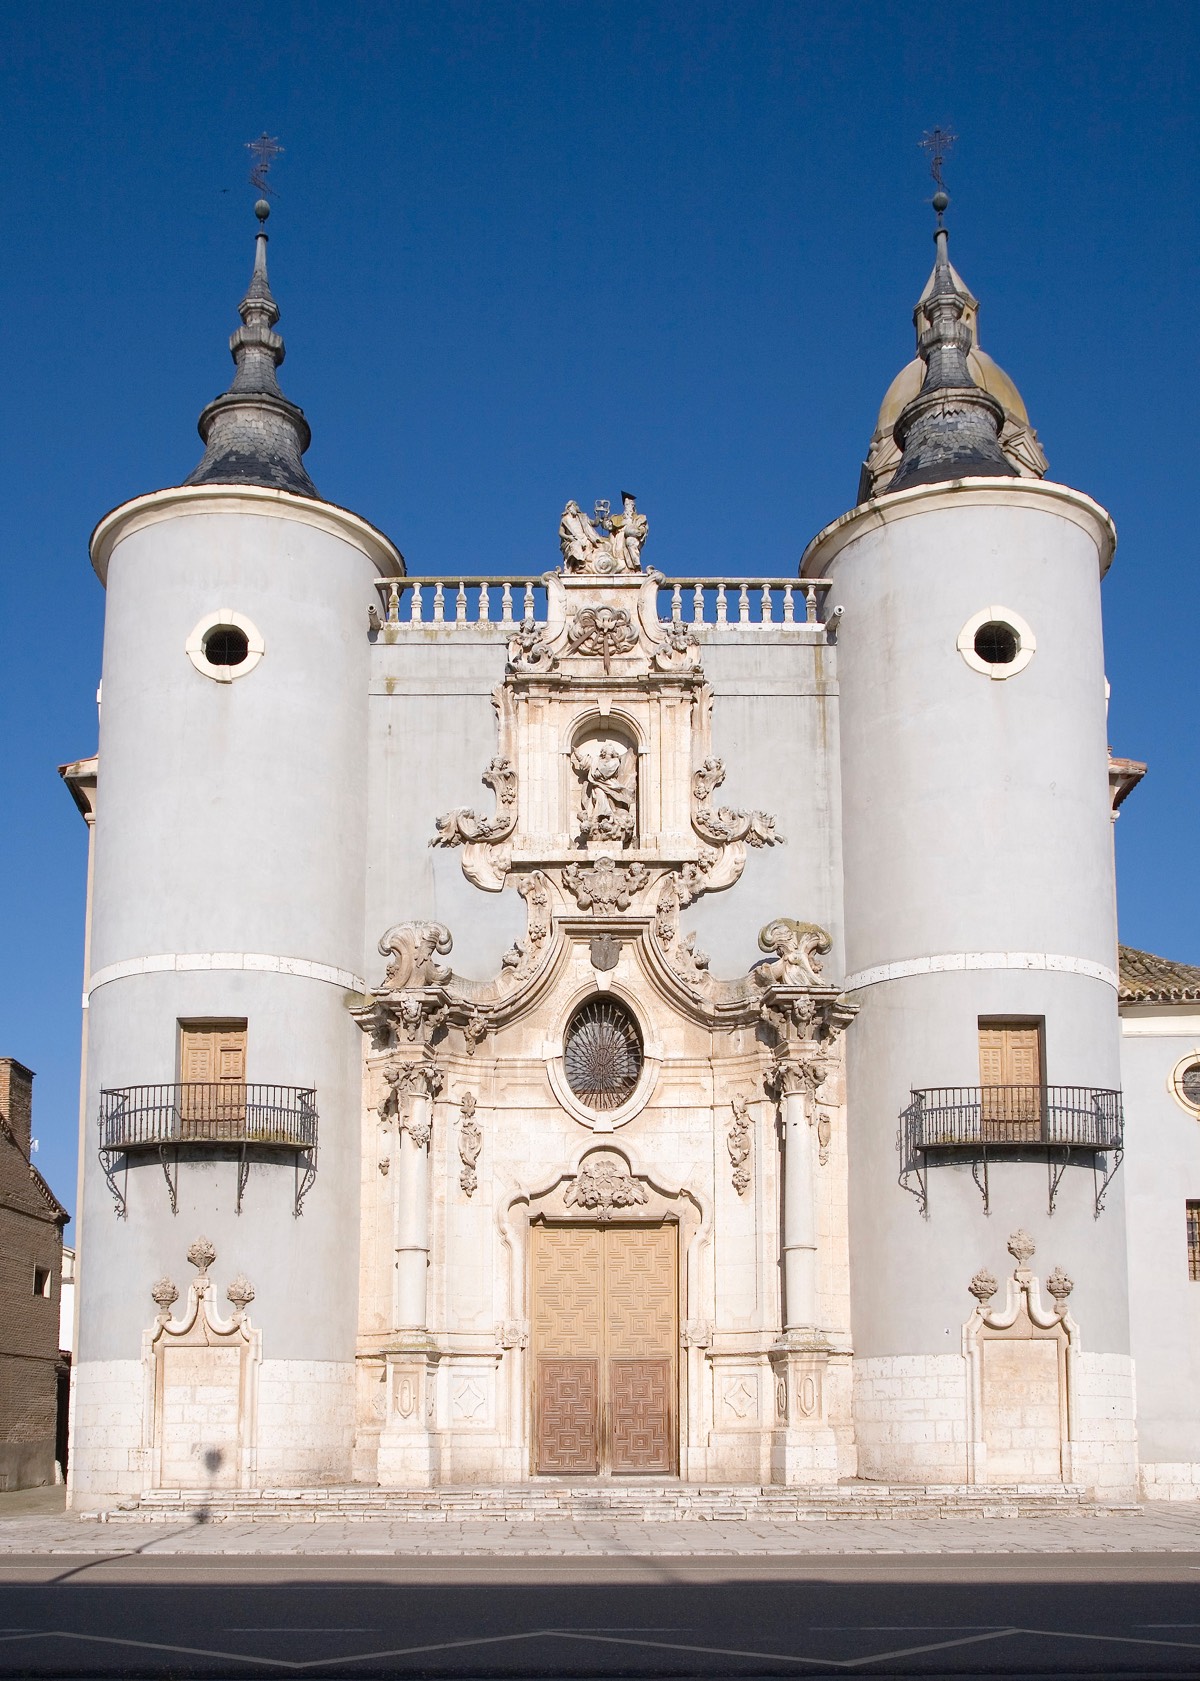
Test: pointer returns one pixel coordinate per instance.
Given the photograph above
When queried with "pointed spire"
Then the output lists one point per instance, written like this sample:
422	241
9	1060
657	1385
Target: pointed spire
951	429
252	434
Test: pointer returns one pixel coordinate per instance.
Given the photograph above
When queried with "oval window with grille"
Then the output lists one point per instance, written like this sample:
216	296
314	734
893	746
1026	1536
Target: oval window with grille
602	1053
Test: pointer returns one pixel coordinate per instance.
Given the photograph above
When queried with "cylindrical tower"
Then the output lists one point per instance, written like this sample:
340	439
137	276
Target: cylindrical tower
981	950
227	929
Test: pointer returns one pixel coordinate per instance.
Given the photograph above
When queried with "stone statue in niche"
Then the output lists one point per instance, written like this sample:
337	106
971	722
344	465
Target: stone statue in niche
618	550
608	797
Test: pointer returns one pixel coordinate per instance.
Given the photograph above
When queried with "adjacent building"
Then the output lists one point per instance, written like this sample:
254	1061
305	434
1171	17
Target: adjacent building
31	1250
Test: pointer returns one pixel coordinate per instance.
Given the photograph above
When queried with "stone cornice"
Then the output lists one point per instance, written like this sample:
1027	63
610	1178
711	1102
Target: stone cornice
258	500
1041	494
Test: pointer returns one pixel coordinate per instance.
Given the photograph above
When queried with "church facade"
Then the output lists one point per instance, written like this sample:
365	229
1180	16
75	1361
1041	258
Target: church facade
595	1024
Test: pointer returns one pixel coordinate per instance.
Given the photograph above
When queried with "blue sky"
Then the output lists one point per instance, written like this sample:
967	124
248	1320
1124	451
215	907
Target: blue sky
532	251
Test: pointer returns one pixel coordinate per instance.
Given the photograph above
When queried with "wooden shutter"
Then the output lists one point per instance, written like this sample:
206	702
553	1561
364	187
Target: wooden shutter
1010	1072
212	1069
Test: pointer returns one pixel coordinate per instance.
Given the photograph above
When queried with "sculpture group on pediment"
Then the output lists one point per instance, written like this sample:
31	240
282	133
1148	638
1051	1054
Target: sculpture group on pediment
606	543
608	792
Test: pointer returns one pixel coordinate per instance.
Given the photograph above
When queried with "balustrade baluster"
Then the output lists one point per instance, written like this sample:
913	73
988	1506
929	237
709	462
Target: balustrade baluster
506	603
393	603
721	603
744	605
414	605
810	598
460	604
439	604
766	603
698	602
528	610
789	607
677	604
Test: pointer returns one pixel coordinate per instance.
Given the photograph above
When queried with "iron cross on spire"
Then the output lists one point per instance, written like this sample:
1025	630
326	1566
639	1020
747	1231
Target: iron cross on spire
938	143
263	153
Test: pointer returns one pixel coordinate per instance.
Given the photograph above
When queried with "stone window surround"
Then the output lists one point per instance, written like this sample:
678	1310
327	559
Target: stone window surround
1175	1083
606	1120
1026	642
194	646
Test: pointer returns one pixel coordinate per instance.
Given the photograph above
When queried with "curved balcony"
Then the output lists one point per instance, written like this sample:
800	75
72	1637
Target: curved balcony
192	1115
980	1124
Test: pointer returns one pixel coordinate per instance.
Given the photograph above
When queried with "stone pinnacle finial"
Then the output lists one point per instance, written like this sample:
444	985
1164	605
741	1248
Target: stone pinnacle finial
951	429
253	434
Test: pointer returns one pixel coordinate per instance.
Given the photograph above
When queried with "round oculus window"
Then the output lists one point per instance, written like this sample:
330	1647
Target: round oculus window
602	1054
226	645
997	643
1185	1082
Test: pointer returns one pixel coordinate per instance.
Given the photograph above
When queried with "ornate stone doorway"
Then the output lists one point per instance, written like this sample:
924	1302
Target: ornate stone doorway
605	1348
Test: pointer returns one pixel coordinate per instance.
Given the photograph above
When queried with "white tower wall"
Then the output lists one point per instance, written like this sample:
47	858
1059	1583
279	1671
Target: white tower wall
978	883
229	882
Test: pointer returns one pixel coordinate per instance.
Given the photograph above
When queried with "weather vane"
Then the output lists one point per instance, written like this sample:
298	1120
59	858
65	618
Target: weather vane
263	153
938	143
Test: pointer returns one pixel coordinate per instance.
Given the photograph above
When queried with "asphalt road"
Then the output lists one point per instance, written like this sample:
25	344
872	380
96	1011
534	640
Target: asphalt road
1032	1616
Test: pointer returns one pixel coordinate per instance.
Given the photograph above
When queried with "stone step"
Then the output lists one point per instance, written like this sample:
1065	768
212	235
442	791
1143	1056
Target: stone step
615	1502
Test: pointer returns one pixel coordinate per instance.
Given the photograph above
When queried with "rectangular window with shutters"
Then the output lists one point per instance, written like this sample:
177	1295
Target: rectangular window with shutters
212	1079
1010	1073
1193	1241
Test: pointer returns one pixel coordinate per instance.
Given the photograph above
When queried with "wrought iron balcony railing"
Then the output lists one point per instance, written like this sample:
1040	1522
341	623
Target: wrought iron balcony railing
1065	1117
1061	1125
172	1119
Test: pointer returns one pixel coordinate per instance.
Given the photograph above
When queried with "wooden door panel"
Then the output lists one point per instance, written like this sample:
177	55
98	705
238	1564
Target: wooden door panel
641	1437
604	1334
568	1291
568	1415
640	1286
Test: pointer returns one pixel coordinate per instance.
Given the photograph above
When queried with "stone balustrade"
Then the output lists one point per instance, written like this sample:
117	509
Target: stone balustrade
421	602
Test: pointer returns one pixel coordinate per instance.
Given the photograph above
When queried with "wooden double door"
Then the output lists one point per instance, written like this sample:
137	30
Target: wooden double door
605	1348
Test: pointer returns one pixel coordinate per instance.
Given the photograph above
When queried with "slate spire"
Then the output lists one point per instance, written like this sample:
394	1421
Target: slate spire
252	434
951	429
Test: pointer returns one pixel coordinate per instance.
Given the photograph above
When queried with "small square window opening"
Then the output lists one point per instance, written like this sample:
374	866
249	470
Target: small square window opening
1193	1241
41	1281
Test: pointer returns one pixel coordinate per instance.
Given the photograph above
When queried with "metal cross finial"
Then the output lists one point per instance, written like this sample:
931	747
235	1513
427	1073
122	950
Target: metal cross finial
938	143
263	153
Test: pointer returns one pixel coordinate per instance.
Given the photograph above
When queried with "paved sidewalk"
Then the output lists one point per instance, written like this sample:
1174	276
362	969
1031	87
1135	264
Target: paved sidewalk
1155	1528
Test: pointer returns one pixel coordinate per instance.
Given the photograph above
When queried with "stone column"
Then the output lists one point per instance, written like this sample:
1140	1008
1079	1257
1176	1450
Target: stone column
412	1216
799	1206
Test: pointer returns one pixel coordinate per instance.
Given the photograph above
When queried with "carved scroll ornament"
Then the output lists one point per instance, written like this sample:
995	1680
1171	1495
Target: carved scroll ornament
796	946
411	946
464	828
724	825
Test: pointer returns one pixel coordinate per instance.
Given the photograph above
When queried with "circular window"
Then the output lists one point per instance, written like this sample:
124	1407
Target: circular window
602	1054
996	642
1185	1083
225	645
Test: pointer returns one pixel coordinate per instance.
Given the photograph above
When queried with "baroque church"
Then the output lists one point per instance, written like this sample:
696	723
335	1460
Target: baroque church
601	1026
